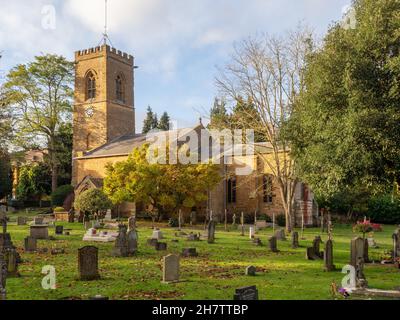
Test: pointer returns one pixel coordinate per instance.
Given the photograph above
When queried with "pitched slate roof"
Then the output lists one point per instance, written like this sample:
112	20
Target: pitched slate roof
124	145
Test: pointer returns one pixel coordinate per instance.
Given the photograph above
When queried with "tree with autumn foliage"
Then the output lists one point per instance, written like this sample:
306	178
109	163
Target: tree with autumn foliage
167	188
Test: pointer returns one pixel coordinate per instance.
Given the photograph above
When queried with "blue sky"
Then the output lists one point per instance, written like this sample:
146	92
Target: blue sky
176	43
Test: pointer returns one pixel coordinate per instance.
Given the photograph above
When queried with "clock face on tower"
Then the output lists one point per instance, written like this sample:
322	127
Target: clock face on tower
89	111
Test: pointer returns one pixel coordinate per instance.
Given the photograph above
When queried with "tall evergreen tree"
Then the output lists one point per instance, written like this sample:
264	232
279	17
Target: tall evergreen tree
164	123
150	122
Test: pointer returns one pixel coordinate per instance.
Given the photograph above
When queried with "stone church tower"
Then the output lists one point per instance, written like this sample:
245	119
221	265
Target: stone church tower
104	99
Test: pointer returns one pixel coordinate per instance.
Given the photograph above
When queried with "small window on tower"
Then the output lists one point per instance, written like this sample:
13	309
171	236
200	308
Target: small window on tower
119	87
90	86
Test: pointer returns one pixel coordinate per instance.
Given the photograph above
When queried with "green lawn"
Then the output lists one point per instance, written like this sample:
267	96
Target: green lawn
215	274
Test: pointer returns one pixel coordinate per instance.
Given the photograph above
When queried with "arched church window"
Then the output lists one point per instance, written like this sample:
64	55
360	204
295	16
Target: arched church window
119	89
90	86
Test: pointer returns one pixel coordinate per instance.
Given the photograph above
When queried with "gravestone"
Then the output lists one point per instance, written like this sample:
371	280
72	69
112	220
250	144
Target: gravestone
88	264
170	268
38	220
251	232
295	240
310	254
396	251
157	234
132	223
152	242
250	271
280	235
189	252
21	221
121	243
161	246
71	216
12	263
108	215
246	293
328	256
371	242
257	242
316	246
356	250
193	237
59	230
273	244
39	231
3	277
361	281
211	232
132	241
30	244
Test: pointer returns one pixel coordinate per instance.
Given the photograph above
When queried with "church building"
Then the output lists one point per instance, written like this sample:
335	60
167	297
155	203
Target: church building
104	132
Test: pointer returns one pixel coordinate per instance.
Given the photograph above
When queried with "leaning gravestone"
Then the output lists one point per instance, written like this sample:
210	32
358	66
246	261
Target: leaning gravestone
170	269
280	235
30	244
316	246
356	250
211	232
273	244
295	240
328	256
88	263
246	293
250	271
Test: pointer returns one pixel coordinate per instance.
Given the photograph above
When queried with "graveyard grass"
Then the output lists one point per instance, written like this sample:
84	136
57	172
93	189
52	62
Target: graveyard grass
214	274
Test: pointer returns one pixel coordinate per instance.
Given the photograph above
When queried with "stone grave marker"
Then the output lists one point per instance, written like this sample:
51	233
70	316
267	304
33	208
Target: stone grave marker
295	240
30	244
396	244
59	230
157	234
12	264
250	271
3	277
132	241
193	237
161	246
328	256
280	235
246	293
21	221
366	249
371	242
189	252
121	243
170	268
310	254
356	250
251	232
132	223
316	246
257	242
88	264
152	242
273	244
211	232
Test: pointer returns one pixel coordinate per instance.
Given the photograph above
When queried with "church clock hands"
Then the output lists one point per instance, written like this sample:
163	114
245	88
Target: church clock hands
89	111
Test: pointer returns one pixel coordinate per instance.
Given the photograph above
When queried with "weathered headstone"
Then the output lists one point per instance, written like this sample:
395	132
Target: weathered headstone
132	241
30	244
251	232
396	245
157	234
21	221
39	231
193	237
310	254
108	215
38	220
189	252
250	271
171	268
257	242
161	246
361	281
88	264
316	246
356	250
132	223
366	249
280	235
59	230
328	256
295	239
246	293
12	263
211	232
152	242
3	276
121	243
273	244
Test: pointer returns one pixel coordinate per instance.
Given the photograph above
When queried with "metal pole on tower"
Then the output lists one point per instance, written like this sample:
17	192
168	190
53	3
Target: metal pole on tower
105	36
